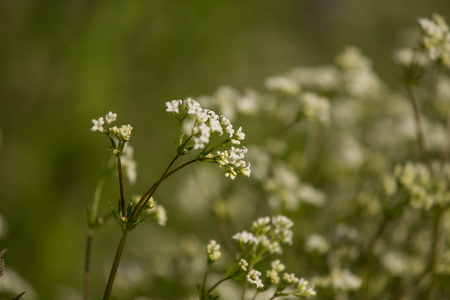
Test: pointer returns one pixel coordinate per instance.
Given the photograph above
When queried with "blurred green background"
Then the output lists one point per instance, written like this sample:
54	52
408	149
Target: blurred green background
63	63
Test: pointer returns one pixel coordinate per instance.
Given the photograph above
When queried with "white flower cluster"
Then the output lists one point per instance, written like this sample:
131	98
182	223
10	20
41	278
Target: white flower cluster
290	279
358	76
282	84
316	107
122	133
229	102
156	210
213	251
267	235
253	277
129	164
407	56
436	39
206	122
287	190
304	289
339	279
324	78
425	188
232	160
243	264
275	268
317	243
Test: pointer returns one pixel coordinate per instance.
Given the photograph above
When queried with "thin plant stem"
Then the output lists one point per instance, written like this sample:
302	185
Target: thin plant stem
204	281
244	290
137	211
115	265
122	193
256	294
92	222
434	253
220	281
419	128
87	263
144	199
370	257
96	200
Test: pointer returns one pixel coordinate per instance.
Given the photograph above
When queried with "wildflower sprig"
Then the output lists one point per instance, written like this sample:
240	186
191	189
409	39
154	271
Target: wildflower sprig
118	136
436	39
426	187
266	237
202	123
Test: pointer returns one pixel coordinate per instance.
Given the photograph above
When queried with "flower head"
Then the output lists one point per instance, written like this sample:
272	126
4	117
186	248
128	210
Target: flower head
213	251
253	277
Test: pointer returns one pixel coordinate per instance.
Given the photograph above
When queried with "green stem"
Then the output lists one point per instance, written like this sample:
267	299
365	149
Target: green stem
243	292
370	258
136	212
204	282
145	198
87	263
122	194
96	201
220	281
115	265
419	128
256	294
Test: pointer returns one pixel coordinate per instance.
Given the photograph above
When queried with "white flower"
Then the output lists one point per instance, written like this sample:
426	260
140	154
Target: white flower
253	277
344	280
318	243
282	228
277	265
316	107
272	276
436	39
161	215
213	251
173	105
282	84
110	117
290	278
129	164
98	124
304	289
243	264
245	237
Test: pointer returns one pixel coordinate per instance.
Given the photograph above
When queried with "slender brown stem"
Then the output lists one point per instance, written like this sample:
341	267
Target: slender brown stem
204	282
137	211
434	253
115	265
87	263
144	199
219	282
122	194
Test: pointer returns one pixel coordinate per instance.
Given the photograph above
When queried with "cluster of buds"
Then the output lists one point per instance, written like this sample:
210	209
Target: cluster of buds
226	154
118	136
